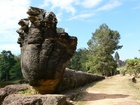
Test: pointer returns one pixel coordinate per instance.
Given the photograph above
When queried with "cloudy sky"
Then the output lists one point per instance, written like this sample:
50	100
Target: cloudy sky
79	18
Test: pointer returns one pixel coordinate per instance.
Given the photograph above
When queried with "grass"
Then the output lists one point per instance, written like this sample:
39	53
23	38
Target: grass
29	91
136	89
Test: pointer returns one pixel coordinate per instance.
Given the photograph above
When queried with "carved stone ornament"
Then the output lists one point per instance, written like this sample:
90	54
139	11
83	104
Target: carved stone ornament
45	53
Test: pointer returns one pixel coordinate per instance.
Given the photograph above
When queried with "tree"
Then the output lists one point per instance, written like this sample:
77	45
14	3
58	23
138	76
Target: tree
101	46
133	66
79	60
15	71
6	63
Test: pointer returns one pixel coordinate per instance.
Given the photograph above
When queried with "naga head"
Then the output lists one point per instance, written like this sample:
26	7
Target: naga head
44	52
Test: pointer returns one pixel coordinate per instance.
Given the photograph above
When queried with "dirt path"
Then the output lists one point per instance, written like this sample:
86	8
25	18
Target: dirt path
117	90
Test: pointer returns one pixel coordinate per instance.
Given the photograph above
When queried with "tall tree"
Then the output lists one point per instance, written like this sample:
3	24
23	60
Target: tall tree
102	45
6	63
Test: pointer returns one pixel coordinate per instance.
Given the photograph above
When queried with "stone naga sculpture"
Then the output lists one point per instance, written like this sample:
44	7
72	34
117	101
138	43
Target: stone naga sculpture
44	52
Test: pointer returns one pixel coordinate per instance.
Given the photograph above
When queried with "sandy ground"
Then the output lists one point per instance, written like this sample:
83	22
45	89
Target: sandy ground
116	90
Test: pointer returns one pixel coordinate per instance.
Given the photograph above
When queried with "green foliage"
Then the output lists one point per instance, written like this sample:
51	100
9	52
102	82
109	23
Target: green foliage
28	91
6	62
15	71
9	66
78	61
122	70
101	46
133	66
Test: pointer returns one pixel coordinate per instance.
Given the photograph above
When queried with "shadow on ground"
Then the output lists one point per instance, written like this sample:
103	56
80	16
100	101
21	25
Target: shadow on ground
100	96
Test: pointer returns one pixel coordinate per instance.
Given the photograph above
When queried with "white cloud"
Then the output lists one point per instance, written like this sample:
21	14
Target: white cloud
76	8
10	13
81	16
112	4
69	5
90	3
66	5
59	15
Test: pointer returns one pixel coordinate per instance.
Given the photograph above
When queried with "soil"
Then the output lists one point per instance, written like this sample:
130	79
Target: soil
115	90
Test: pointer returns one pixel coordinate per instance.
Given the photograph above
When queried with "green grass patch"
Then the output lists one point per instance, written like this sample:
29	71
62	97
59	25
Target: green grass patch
29	91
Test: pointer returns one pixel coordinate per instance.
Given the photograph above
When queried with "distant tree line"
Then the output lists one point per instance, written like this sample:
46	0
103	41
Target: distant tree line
10	68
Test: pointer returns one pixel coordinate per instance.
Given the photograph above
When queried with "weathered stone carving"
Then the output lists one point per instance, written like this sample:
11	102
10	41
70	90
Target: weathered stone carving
74	79
44	52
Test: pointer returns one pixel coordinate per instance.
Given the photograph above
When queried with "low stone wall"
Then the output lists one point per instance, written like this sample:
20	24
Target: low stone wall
73	79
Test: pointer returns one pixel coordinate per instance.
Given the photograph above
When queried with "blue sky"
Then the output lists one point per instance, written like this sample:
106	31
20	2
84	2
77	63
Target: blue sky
79	18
